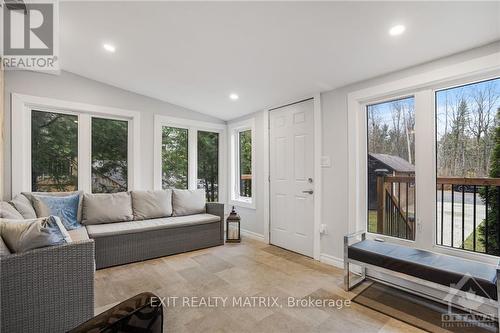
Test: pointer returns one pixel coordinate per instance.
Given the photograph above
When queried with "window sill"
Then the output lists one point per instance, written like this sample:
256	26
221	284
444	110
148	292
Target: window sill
242	202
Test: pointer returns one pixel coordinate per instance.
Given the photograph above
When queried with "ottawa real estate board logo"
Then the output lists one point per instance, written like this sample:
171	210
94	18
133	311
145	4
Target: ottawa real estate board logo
29	35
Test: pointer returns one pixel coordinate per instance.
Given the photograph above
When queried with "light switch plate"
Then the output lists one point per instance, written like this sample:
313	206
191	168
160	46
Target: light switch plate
325	162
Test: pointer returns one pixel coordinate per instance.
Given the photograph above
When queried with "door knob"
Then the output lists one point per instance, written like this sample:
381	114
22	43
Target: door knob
308	191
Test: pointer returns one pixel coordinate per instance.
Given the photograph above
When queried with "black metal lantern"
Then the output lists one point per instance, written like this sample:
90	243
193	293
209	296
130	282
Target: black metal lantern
233	227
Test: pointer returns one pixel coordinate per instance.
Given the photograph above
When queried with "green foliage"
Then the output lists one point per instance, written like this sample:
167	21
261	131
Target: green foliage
174	157
208	164
54	142
245	149
489	230
109	155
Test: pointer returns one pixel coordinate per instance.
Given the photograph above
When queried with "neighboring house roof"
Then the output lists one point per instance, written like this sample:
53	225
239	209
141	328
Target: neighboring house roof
396	163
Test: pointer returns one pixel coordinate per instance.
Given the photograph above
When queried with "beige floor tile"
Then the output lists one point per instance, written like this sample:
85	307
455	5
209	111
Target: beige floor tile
248	269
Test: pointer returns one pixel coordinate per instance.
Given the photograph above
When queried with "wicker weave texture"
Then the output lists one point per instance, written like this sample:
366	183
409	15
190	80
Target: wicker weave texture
47	290
122	249
126	248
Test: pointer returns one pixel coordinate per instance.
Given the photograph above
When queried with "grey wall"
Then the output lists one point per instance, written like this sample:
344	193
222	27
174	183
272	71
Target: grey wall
75	88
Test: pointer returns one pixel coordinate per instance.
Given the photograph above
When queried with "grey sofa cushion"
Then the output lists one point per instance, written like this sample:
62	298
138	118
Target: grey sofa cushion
151	204
21	236
30	196
23	205
107	208
112	229
7	211
188	202
4	250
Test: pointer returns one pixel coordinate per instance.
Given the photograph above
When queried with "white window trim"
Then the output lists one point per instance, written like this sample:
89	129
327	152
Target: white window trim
422	87
21	107
193	126
234	195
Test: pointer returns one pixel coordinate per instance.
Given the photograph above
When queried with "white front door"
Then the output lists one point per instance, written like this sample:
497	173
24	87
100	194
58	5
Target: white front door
291	181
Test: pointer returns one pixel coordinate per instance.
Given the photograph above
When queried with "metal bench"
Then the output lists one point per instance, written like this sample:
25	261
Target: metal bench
448	274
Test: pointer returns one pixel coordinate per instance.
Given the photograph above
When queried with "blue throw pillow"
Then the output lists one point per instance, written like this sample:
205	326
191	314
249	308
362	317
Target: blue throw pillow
66	208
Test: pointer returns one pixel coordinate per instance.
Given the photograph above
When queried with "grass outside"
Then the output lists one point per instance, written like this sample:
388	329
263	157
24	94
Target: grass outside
372	221
469	241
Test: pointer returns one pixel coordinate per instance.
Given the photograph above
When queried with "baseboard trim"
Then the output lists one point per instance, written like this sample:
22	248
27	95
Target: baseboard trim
331	260
252	235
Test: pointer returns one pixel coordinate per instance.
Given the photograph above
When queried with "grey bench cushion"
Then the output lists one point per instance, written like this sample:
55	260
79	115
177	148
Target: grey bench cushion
120	228
437	268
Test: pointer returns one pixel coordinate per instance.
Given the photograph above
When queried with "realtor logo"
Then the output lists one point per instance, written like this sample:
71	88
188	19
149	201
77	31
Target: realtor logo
468	300
29	35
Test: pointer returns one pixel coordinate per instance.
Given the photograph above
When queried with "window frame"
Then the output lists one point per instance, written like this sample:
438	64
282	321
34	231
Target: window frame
21	107
193	126
423	87
234	195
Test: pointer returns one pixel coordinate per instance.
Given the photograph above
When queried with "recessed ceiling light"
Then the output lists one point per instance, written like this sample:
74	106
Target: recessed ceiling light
397	30
110	48
234	97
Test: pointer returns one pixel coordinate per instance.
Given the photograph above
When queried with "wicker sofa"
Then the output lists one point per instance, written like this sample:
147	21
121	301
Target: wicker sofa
52	289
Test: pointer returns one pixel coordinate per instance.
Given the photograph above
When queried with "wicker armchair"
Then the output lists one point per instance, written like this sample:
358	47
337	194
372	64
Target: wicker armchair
47	290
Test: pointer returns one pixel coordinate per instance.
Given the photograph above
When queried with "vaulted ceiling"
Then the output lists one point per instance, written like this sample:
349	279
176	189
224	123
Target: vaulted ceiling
195	54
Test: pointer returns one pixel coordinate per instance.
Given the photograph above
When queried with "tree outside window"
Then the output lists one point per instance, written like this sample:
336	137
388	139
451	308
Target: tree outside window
208	164
109	155
54	152
174	157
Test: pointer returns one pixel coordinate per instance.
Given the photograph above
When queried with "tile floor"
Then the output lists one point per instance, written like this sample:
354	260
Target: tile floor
242	273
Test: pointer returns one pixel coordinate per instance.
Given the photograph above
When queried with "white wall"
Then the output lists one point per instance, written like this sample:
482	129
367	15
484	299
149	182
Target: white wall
75	88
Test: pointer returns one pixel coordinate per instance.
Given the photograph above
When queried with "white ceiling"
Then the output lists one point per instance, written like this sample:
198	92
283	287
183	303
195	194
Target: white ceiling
196	54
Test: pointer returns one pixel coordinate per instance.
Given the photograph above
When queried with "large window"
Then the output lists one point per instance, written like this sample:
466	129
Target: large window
54	152
109	155
64	146
174	158
468	167
242	158
208	164
188	155
245	163
391	168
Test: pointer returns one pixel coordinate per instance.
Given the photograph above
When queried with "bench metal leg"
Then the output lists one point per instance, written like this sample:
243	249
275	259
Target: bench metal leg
347	282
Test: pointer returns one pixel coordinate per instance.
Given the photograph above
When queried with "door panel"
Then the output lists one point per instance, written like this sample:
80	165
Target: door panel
292	170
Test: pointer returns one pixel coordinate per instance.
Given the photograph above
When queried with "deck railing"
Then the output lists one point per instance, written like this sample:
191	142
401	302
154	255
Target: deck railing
246	185
396	206
467	219
467	211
